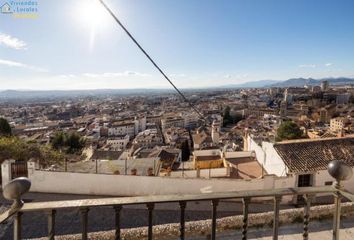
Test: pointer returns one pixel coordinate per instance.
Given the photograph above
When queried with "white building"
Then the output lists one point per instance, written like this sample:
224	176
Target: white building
122	128
118	142
306	159
169	122
342	98
337	124
215	132
190	120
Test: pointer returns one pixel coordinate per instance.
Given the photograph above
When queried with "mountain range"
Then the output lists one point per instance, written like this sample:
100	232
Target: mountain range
50	94
293	82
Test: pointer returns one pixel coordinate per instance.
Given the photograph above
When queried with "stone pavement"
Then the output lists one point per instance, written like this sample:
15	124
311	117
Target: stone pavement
317	230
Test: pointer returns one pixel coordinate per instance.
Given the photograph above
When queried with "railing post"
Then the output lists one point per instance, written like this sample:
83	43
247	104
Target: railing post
51	224
245	202
84	222
214	203
17	226
336	215
308	199
117	210
277	200
150	207
341	172
182	205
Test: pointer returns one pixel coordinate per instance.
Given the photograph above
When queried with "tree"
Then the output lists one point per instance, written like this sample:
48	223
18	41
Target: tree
70	142
228	119
58	140
238	117
15	148
226	115
185	150
288	130
5	128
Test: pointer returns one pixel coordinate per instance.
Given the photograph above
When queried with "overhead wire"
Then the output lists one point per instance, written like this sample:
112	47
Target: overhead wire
151	60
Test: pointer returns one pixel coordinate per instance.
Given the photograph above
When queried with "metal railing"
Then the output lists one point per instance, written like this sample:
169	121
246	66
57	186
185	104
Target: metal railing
17	187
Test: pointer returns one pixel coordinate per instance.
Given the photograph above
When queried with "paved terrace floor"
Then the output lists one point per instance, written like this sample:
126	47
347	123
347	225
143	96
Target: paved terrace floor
318	230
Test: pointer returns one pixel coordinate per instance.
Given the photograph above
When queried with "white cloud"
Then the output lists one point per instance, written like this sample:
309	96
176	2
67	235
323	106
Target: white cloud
328	64
116	74
307	65
177	75
67	76
12	42
21	65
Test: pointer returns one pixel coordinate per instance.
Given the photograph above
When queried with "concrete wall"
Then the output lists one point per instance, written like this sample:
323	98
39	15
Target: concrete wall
321	177
273	162
267	157
203	173
126	185
6	171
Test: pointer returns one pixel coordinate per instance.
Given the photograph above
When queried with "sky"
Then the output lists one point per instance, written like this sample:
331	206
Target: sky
198	43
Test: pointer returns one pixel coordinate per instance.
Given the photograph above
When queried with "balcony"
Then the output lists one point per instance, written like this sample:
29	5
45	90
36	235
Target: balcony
338	170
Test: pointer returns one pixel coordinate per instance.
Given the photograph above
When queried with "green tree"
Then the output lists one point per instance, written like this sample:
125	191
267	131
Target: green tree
74	142
15	148
288	130
5	128
185	150
238	117
69	142
228	119
226	115
58	140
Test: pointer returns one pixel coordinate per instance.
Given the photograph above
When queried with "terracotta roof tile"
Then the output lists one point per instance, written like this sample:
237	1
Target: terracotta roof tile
315	154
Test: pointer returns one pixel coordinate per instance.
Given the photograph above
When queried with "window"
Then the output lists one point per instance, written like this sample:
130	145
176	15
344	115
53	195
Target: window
305	180
329	183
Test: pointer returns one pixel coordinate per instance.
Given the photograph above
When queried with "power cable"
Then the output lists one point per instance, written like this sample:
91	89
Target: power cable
151	60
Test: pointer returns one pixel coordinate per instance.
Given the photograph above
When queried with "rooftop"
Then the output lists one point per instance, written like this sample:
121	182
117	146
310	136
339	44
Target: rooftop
315	154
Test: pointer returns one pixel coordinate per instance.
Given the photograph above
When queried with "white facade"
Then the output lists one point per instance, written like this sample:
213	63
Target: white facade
273	164
172	122
343	98
123	129
336	124
119	142
267	157
215	132
140	124
190	120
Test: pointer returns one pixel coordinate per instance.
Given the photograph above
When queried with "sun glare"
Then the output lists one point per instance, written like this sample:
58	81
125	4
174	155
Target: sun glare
93	18
91	13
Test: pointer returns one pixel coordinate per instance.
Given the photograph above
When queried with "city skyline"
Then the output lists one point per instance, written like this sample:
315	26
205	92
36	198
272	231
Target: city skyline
198	44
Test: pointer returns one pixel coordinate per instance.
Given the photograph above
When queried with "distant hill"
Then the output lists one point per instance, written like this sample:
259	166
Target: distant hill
300	82
293	82
255	84
23	95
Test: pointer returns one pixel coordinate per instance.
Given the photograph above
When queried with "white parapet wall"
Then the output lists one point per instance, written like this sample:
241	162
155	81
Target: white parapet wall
202	173
127	185
6	171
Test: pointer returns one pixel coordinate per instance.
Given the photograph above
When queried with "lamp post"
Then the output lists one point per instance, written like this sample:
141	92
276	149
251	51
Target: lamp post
341	172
